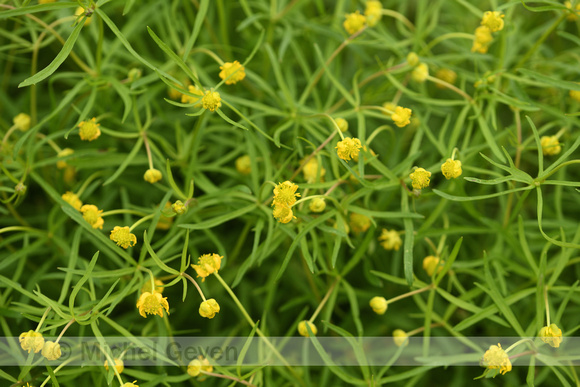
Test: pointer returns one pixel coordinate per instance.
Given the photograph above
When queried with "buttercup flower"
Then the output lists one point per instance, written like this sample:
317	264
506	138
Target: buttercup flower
402	116
233	72
152	303
551	335
122	237
130	384
317	205
342	124
61	164
72	199
359	222
412	59
482	39
430	263
400	337
119	365
194	368
31	341
348	148
420	178
310	171
550	145
373	12
89	130
283	213
209	308
189	99
379	305
207	264
493	20
304	331
92	215
496	358
451	169
391	239
159	288
211	100
420	72
354	22
244	165
152	175
179	207
446	75
285	194
51	350
22	121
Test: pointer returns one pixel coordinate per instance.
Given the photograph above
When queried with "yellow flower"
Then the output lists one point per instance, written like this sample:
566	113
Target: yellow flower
89	130
430	263
493	20
232	72
152	175
92	215
402	116
412	59
152	303
446	75
420	178
400	337
244	165
373	12
211	100
51	350
304	331
72	199
129	384
420	73
159	288
209	308
575	94
285	194
119	365
359	222
61	164
451	169
189	99
310	171
342	124
194	368
379	305
550	145
571	15
551	335
354	22
482	39
283	213
390	239
348	148
122	237
31	341
81	11
207	264
22	121
496	358
317	205
179	207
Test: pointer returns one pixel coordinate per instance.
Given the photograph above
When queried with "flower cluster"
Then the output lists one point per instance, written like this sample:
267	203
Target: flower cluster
232	72
122	237
348	148
496	358
391	240
491	22
207	264
420	178
89	130
152	303
402	116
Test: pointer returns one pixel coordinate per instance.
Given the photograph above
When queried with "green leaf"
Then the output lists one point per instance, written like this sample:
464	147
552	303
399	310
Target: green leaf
37	8
472	198
219	219
550	81
201	12
157	260
126	161
78	286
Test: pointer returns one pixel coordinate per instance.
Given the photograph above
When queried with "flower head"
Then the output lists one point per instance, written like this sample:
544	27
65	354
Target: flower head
51	350
244	165
80	11
31	341
232	72
317	205
304	331
493	20
379	305
482	39
430	263
119	365
89	130
152	175
92	215
285	194
400	337
152	303
72	199
451	169
551	335
342	124
420	73
22	121
373	12
197	94
354	22
61	164
391	240
209	308
311	170
179	207
446	75
283	213
496	358
348	148
195	366
207	264
359	222
159	288
122	237
130	384
420	178
412	59
550	145
211	100
402	116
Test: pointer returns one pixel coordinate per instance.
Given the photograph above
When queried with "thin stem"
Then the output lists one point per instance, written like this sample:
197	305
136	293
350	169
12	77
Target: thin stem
227	377
540	41
64	329
400	17
518	343
190	278
42	319
148	149
123	211
323	302
307	159
450	87
421	329
7	135
143	219
547	305
409	294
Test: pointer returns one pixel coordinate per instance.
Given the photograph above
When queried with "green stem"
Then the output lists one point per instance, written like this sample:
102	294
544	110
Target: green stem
143	219
323	302
540	41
